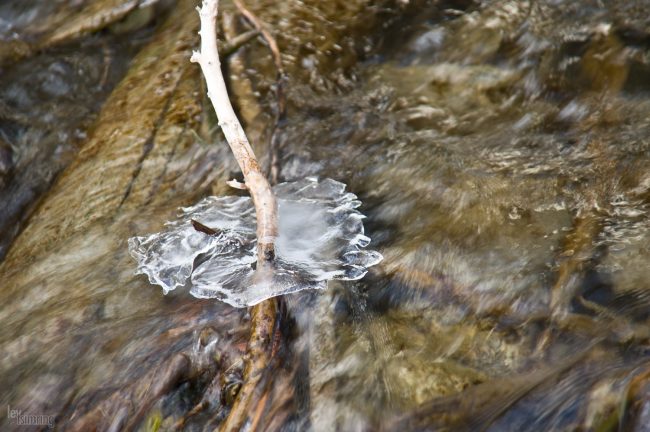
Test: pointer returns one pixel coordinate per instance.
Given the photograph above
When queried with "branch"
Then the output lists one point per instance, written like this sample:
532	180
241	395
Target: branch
263	315
259	187
237	42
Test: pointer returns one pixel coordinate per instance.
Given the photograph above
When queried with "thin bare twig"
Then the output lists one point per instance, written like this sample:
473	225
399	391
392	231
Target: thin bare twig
263	315
260	27
237	42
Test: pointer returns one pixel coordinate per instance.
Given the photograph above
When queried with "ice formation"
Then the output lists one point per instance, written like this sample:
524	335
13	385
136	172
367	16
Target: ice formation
321	237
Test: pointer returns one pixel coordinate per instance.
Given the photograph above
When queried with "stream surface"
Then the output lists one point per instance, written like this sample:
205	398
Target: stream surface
501	150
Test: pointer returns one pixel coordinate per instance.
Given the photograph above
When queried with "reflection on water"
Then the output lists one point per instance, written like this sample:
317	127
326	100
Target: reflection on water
501	152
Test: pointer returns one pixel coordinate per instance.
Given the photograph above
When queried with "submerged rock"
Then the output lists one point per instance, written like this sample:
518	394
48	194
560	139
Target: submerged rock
320	239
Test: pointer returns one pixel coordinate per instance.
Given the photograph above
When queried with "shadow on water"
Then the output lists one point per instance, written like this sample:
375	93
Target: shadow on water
500	149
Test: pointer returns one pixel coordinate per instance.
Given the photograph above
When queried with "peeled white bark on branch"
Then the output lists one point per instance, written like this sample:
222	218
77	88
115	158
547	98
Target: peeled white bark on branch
256	182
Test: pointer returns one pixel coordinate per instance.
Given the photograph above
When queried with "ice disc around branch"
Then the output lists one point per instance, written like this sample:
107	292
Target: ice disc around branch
321	237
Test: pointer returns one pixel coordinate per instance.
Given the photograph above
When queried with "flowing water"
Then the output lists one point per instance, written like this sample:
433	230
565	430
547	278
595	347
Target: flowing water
501	150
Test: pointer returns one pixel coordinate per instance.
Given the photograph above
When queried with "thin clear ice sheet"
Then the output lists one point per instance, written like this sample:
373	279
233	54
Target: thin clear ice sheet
321	237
